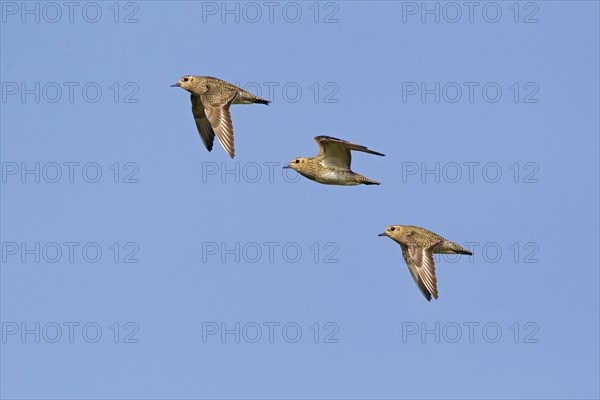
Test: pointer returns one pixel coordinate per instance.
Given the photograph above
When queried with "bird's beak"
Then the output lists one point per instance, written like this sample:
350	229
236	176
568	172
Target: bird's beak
382	234
176	85
287	166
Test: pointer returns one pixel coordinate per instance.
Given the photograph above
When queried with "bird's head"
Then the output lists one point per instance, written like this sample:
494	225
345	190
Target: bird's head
185	82
393	232
298	164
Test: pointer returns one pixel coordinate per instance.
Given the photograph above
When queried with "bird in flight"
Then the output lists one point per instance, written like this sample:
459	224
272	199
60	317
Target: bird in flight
418	247
211	99
332	165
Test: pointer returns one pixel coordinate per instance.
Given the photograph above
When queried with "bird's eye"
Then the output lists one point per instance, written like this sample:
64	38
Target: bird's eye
186	79
297	161
392	229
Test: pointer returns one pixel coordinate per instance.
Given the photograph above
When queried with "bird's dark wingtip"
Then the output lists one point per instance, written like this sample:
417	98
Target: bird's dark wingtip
325	137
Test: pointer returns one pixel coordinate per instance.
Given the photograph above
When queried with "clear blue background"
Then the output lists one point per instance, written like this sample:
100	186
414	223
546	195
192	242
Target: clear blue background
368	293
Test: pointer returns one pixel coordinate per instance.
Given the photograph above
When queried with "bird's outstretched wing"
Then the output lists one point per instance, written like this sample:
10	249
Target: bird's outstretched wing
204	128
336	152
419	260
216	107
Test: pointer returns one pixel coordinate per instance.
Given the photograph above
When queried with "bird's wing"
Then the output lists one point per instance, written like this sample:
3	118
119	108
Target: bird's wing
204	128
336	152
216	108
419	260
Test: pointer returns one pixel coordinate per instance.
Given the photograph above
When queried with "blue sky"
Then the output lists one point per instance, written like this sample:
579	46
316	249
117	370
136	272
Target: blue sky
128	249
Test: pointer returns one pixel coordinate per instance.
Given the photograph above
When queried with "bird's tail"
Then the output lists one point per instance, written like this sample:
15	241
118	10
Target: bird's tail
249	98
456	249
366	181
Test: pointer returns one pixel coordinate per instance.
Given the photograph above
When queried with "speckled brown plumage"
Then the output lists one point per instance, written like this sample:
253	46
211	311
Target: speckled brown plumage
211	99
418	246
332	165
